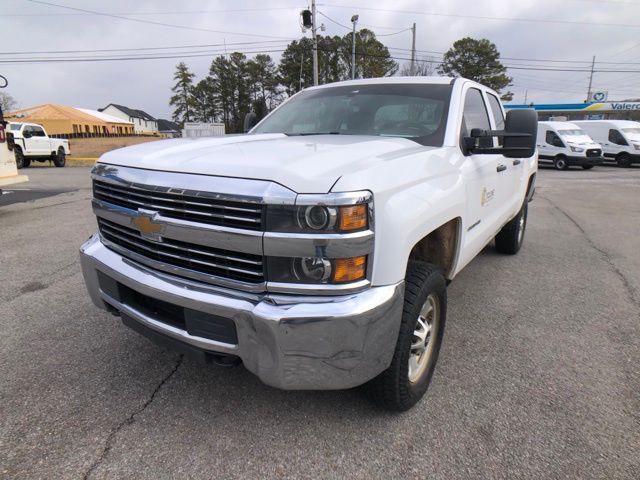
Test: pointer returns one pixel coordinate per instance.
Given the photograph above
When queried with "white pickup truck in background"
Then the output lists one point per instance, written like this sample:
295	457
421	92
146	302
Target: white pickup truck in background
8	171
317	248
33	144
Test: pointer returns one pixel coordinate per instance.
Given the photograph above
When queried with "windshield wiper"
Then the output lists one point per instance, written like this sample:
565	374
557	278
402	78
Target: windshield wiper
302	134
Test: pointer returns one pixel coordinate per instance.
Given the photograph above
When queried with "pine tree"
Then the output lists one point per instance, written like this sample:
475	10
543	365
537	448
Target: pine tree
182	101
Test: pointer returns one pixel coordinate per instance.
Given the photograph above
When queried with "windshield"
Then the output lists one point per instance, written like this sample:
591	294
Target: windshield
571	133
414	111
15	126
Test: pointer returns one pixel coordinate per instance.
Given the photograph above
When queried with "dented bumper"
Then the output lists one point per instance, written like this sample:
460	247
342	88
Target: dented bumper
288	341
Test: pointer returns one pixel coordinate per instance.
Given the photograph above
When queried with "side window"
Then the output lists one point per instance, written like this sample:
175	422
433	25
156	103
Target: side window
37	132
475	115
553	139
496	112
616	137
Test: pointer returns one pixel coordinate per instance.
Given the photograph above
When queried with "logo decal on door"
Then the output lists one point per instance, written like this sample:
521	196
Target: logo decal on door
487	196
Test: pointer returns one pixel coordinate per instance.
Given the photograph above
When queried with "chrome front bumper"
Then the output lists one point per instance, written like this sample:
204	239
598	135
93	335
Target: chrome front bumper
289	341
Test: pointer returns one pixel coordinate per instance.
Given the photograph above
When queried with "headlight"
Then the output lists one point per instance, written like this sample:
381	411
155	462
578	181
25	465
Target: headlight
316	270
577	149
330	213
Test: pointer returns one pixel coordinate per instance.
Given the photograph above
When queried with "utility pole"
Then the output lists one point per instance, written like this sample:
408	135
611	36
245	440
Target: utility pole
413	49
315	42
354	20
593	64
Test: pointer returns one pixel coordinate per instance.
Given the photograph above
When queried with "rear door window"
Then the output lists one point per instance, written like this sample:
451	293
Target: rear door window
37	131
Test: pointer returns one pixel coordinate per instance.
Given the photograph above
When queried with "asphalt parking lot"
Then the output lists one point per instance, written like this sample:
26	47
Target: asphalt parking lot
539	376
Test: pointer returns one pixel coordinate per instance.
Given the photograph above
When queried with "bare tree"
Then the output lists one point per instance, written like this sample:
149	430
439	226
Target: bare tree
424	67
7	102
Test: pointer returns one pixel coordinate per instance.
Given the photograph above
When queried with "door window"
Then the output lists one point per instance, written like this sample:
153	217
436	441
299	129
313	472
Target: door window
616	137
553	139
475	115
496	113
37	131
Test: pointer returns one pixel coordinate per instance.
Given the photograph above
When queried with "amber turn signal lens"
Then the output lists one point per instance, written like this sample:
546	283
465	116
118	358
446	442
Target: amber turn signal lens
353	218
349	269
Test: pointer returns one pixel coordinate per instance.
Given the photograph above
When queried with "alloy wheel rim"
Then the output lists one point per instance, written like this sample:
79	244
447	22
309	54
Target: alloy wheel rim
423	339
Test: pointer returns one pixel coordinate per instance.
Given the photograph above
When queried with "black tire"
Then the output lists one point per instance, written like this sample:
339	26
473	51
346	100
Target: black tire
60	159
21	160
392	389
587	167
510	238
560	162
623	160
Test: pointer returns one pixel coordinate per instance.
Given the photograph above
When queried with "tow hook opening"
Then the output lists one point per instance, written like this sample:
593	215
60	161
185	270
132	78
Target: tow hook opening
223	360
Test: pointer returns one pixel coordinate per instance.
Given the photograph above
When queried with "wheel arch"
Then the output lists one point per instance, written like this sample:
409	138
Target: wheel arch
440	247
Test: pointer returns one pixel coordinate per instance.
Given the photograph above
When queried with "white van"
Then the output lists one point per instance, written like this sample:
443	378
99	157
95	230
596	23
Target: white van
620	139
564	144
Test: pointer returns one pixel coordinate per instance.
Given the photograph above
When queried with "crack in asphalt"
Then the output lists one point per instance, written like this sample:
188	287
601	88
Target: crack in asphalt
631	291
108	444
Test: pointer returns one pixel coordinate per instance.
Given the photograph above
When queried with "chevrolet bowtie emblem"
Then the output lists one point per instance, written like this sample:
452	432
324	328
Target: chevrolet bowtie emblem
147	226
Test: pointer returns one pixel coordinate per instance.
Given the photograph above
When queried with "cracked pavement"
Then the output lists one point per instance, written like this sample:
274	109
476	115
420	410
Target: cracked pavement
539	374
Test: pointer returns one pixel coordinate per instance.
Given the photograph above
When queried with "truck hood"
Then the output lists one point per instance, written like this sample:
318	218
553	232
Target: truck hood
305	164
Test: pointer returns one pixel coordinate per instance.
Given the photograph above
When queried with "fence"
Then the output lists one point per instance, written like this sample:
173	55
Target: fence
102	135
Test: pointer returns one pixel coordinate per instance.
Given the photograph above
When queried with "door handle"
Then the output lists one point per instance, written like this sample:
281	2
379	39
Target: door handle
517	162
501	168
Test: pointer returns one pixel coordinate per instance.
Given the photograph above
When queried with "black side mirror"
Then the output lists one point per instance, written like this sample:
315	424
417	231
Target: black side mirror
250	121
521	127
519	136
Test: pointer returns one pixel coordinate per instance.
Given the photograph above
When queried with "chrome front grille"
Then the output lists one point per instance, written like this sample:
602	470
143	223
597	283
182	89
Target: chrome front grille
191	257
181	204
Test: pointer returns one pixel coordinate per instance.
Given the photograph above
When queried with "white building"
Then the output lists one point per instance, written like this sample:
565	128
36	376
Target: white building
143	123
199	129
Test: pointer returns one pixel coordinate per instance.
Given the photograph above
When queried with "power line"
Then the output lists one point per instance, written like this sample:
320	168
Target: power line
361	54
334	21
481	17
141	48
151	22
125	58
175	12
394	33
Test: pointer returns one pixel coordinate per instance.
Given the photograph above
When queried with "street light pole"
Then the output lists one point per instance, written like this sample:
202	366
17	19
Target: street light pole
315	42
354	20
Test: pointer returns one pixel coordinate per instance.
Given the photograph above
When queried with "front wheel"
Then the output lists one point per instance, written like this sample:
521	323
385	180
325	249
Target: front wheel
21	160
560	163
406	380
60	159
509	239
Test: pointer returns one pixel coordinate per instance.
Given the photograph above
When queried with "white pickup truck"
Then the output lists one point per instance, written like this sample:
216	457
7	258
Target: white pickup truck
33	144
317	248
8	170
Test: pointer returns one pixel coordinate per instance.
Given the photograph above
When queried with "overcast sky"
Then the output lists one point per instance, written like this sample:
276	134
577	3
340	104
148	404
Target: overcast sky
145	84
